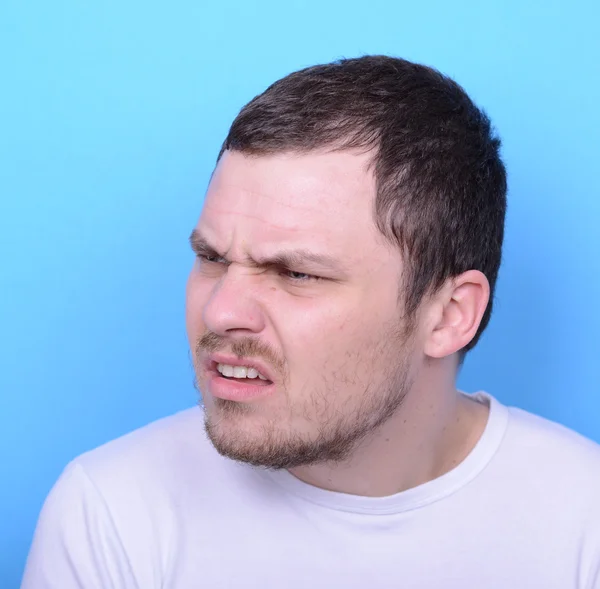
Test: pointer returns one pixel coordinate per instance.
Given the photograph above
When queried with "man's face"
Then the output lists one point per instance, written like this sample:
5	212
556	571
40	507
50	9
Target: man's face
294	277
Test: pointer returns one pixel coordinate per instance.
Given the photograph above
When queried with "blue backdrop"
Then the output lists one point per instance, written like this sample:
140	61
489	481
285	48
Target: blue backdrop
112	113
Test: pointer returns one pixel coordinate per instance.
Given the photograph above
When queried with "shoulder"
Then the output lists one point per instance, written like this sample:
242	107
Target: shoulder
154	469
168	440
547	452
542	436
97	524
154	462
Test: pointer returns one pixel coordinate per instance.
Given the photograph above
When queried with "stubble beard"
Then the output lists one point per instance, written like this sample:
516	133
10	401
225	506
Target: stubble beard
337	429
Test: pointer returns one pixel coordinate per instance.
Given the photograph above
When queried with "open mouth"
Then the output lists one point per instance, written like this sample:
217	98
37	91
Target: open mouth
241	384
242	374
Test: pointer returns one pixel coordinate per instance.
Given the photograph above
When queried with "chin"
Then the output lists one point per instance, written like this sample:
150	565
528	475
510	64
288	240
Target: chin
240	432
229	422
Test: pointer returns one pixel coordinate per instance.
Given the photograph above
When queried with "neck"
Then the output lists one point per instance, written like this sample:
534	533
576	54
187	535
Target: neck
433	431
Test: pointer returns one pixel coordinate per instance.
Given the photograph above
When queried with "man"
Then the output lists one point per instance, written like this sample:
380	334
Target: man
347	254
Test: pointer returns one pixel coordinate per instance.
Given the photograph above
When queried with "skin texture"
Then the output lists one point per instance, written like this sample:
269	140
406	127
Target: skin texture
364	402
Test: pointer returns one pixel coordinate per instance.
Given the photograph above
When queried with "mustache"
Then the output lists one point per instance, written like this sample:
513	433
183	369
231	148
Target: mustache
243	347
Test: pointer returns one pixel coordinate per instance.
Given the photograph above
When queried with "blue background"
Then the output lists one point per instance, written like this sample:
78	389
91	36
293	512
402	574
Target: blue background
112	113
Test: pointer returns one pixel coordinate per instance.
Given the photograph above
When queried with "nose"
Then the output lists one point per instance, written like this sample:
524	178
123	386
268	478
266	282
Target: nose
233	307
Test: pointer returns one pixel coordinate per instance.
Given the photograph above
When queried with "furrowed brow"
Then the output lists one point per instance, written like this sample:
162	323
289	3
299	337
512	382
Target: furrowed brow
301	259
200	245
290	259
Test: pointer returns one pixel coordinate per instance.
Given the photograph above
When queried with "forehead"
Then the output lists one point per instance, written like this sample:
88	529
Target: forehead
325	199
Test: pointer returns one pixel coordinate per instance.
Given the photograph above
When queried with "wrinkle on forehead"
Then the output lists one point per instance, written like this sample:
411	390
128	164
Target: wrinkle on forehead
341	177
296	204
251	216
277	212
320	200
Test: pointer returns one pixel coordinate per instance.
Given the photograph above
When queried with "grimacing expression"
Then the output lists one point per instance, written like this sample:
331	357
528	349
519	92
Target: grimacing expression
329	326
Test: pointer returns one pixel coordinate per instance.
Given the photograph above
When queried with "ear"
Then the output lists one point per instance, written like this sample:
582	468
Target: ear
456	313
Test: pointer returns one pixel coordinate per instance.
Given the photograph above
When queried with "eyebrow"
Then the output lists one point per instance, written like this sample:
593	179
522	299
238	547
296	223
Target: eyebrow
290	259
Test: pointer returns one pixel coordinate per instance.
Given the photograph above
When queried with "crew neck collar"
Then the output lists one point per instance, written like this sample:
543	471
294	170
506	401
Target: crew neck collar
418	496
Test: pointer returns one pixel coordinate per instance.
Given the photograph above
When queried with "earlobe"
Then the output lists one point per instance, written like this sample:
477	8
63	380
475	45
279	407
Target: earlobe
460	308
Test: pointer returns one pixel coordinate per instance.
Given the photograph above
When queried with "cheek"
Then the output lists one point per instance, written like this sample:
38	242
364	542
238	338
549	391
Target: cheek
321	343
195	300
354	349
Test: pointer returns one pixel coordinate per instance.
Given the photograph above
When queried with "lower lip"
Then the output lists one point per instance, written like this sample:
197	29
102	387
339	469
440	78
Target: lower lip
232	390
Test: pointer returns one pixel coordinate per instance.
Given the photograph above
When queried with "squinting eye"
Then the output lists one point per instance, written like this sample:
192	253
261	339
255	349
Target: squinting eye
211	259
299	276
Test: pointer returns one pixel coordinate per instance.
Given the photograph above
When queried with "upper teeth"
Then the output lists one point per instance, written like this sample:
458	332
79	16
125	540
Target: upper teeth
239	371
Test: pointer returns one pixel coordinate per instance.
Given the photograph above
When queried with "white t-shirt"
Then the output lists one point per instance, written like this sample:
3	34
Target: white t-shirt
159	508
